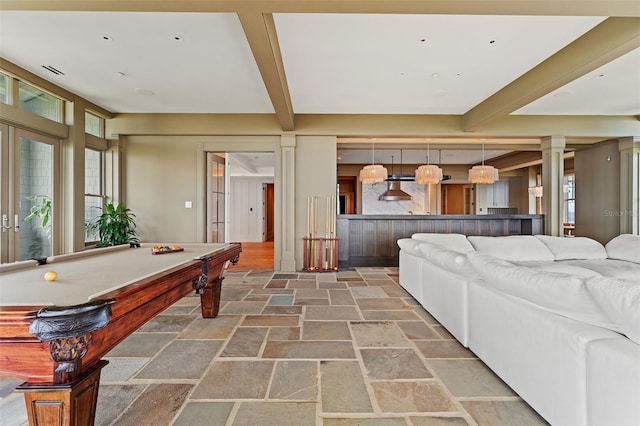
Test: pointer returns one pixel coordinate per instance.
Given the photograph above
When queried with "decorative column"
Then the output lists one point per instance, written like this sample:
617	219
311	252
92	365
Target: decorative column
629	185
552	181
73	181
287	179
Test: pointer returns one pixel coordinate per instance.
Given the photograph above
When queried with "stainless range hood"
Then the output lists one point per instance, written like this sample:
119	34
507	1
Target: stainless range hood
394	192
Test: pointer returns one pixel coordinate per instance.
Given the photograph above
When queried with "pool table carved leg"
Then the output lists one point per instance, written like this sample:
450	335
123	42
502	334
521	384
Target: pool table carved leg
210	298
68	404
67	353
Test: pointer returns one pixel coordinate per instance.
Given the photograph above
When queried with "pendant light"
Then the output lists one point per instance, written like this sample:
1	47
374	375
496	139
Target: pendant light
483	174
373	173
428	174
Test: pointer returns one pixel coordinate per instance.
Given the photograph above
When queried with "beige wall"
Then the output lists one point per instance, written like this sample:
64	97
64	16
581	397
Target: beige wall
161	176
163	172
597	171
316	158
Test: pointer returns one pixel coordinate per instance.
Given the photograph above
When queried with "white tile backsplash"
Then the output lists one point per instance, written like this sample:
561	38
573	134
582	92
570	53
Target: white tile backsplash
372	205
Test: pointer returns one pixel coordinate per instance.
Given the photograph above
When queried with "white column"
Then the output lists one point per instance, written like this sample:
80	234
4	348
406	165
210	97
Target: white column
72	235
629	185
552	180
201	193
285	200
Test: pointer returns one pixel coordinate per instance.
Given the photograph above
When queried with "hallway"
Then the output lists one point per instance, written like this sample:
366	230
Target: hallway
256	257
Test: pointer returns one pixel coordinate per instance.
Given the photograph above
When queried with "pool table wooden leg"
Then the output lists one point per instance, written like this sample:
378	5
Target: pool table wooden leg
210	298
67	404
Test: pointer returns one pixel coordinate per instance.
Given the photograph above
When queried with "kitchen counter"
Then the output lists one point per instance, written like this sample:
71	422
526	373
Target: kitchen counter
370	240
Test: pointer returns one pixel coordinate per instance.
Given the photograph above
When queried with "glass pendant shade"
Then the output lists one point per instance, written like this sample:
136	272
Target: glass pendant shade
483	174
373	173
428	174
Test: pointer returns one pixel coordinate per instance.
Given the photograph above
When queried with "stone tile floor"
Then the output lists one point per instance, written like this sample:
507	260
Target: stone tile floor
334	349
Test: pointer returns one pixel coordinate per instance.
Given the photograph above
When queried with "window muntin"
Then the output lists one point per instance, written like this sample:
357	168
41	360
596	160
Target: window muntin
93	190
93	124
569	189
38	102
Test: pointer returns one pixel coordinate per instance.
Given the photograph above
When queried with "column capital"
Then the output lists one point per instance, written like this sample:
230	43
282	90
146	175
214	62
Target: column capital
550	142
632	142
288	140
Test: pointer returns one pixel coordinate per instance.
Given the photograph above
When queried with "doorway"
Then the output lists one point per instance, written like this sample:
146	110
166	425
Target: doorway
347	195
457	198
28	167
269	200
245	206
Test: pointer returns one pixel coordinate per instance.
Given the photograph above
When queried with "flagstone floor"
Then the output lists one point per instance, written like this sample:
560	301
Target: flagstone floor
333	349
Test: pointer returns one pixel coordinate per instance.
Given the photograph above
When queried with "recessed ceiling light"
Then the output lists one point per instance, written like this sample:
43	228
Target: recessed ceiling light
106	37
145	92
120	74
401	74
435	75
178	38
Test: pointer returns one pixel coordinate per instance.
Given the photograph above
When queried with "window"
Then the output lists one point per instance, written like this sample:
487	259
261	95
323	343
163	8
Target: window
39	102
569	189
4	88
93	190
93	124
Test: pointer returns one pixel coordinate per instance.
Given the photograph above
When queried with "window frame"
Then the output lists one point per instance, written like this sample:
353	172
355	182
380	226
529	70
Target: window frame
101	196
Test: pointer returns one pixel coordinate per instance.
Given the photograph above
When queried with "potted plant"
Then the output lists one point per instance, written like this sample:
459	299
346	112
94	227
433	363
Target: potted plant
116	225
41	209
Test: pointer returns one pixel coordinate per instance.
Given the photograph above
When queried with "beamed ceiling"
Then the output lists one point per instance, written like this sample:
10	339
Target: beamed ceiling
451	73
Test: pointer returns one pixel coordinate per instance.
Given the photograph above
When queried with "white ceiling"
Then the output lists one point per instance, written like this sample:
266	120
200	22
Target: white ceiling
335	63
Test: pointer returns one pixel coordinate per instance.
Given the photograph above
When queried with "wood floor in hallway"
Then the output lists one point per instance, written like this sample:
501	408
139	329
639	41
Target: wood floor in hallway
255	256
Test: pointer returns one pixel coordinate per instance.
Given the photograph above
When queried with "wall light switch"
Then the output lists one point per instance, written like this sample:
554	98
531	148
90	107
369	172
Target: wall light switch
188	204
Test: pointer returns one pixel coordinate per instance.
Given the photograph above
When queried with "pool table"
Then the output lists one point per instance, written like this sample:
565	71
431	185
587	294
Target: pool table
54	334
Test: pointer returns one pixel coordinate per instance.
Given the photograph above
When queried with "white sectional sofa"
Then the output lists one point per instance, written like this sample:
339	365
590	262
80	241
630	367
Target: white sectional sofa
558	319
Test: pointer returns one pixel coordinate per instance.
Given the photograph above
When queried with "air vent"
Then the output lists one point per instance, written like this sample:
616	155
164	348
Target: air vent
52	69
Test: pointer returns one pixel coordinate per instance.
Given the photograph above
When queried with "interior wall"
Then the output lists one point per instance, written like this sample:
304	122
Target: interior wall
161	177
597	172
316	176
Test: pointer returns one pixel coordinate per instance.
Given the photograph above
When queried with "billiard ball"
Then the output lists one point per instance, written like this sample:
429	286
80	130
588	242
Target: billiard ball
51	276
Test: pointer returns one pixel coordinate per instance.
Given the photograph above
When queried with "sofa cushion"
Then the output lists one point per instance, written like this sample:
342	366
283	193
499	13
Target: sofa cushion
447	259
563	294
410	246
620	300
513	247
564	248
455	242
608	267
624	247
564	267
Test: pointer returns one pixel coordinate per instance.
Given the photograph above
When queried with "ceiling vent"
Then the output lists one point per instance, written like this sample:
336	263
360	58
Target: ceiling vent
52	69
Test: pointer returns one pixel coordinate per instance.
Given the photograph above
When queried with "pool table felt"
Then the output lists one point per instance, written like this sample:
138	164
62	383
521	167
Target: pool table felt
87	277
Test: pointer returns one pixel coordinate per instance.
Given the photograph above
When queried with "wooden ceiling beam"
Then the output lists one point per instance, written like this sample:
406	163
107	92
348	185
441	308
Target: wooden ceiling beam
607	41
260	30
621	8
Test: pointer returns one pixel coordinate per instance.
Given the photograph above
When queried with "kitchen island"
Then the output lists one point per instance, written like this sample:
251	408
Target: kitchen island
370	240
